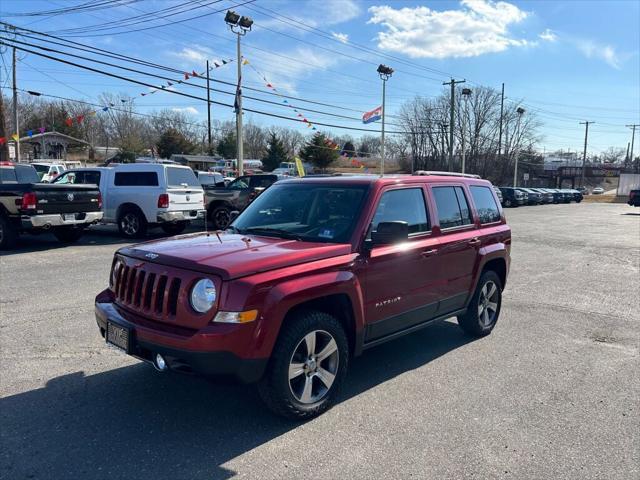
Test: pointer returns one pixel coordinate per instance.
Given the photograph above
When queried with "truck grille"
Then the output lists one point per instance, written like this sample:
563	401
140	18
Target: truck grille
143	290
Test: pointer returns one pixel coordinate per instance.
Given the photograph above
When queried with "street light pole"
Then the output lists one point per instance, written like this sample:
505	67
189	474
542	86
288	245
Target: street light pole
385	73
15	107
466	92
240	26
452	118
519	111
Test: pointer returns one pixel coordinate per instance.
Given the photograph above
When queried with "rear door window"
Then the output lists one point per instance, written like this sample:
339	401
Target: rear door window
403	205
485	204
452	205
136	179
181	177
262	181
26	174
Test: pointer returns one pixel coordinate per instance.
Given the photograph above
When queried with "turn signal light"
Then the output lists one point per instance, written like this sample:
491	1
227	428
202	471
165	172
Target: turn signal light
29	201
236	317
163	200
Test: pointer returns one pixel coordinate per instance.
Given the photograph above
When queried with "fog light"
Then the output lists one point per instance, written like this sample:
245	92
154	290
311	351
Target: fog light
160	363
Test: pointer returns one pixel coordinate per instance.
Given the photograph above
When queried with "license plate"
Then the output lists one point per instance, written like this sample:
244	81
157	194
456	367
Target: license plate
68	217
118	336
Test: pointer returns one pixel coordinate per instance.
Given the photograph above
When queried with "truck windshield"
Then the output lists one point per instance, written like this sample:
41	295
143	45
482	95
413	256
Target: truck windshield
181	177
311	212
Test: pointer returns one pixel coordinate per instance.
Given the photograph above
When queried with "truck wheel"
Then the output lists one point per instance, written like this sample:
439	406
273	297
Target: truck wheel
174	228
68	234
8	234
507	203
132	224
307	366
484	308
221	217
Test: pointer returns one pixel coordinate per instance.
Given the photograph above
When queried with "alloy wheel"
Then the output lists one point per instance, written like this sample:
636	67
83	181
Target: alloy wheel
313	366
130	224
222	218
488	303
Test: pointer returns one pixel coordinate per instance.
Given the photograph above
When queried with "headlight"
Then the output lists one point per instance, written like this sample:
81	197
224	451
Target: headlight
203	295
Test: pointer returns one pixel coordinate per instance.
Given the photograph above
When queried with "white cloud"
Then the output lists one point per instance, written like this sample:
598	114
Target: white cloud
342	37
316	14
197	55
607	53
477	28
191	110
548	36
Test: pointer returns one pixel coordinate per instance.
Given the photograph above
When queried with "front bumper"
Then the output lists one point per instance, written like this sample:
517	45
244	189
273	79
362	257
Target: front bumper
146	342
179	216
60	220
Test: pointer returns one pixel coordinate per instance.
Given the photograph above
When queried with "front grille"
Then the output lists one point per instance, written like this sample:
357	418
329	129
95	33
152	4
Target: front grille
151	293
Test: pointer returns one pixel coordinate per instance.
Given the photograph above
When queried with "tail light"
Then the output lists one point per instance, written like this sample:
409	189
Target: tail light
99	201
163	200
29	201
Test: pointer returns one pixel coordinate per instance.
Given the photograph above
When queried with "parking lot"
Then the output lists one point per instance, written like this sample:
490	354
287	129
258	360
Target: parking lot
553	392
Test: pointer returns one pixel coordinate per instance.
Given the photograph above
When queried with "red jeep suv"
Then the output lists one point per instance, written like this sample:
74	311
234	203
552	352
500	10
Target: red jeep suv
314	271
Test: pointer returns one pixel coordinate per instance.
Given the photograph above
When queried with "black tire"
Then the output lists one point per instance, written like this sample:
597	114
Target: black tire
480	318
220	217
277	388
8	234
132	224
68	234
507	203
174	228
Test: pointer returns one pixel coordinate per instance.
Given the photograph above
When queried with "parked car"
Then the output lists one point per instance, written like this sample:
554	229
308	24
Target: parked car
313	272
583	190
567	195
210	179
597	191
545	196
558	197
634	198
512	197
48	172
221	201
532	197
498	193
28	206
138	196
576	195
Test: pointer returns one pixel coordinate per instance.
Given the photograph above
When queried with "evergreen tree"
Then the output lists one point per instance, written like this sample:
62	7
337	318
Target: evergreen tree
172	141
227	146
317	153
349	149
276	153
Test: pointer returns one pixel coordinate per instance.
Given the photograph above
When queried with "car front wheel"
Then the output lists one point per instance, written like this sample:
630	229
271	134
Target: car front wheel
484	308
221	217
307	367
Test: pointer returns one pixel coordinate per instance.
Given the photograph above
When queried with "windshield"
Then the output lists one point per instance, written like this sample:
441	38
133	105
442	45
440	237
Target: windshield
181	177
312	212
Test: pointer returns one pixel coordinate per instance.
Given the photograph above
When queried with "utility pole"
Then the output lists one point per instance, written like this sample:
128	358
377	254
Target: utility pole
633	137
584	152
208	113
466	92
4	148
15	107
520	112
501	116
442	137
452	118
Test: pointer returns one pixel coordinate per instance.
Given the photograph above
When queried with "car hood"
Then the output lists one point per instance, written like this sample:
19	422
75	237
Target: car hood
231	255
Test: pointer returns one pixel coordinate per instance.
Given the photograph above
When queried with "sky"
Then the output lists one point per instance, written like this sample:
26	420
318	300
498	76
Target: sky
567	61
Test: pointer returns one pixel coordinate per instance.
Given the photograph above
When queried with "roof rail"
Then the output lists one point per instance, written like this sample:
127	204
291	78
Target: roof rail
445	174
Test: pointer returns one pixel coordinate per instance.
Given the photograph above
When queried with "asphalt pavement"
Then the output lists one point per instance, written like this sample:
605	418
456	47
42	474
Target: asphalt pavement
553	392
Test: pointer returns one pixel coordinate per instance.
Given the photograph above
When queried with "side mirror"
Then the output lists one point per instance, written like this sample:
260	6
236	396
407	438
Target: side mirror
233	215
388	233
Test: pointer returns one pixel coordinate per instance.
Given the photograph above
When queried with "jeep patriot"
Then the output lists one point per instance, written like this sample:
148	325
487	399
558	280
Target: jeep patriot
314	271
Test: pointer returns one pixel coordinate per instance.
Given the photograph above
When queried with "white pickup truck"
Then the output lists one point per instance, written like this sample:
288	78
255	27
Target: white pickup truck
142	195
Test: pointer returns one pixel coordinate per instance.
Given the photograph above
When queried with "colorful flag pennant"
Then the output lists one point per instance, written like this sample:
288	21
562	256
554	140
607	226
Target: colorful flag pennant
92	113
41	129
69	122
269	85
143	94
15	137
193	73
80	118
245	62
104	109
186	76
3	140
30	133
224	62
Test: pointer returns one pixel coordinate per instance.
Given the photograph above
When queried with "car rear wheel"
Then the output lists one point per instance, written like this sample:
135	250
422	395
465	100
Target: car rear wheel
220	217
307	366
484	308
68	234
508	203
132	224
174	228
8	234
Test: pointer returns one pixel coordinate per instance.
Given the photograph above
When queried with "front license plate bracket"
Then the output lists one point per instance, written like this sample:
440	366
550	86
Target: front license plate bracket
119	336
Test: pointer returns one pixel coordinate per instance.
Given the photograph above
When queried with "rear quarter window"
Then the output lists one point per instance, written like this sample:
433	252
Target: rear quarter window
485	204
136	179
181	177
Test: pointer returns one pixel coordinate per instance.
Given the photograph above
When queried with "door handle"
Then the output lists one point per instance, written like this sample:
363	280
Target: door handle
474	242
429	253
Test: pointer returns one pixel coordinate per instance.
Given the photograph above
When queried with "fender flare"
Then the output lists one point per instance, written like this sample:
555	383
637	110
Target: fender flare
486	254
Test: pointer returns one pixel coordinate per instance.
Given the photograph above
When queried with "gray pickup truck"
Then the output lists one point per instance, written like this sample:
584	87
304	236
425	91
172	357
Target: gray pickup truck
221	201
31	207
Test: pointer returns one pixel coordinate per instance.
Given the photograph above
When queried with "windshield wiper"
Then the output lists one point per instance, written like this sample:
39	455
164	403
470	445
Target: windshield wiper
276	231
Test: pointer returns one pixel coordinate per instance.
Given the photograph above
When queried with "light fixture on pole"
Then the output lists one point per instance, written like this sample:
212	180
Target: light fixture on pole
466	93
520	111
385	74
239	25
